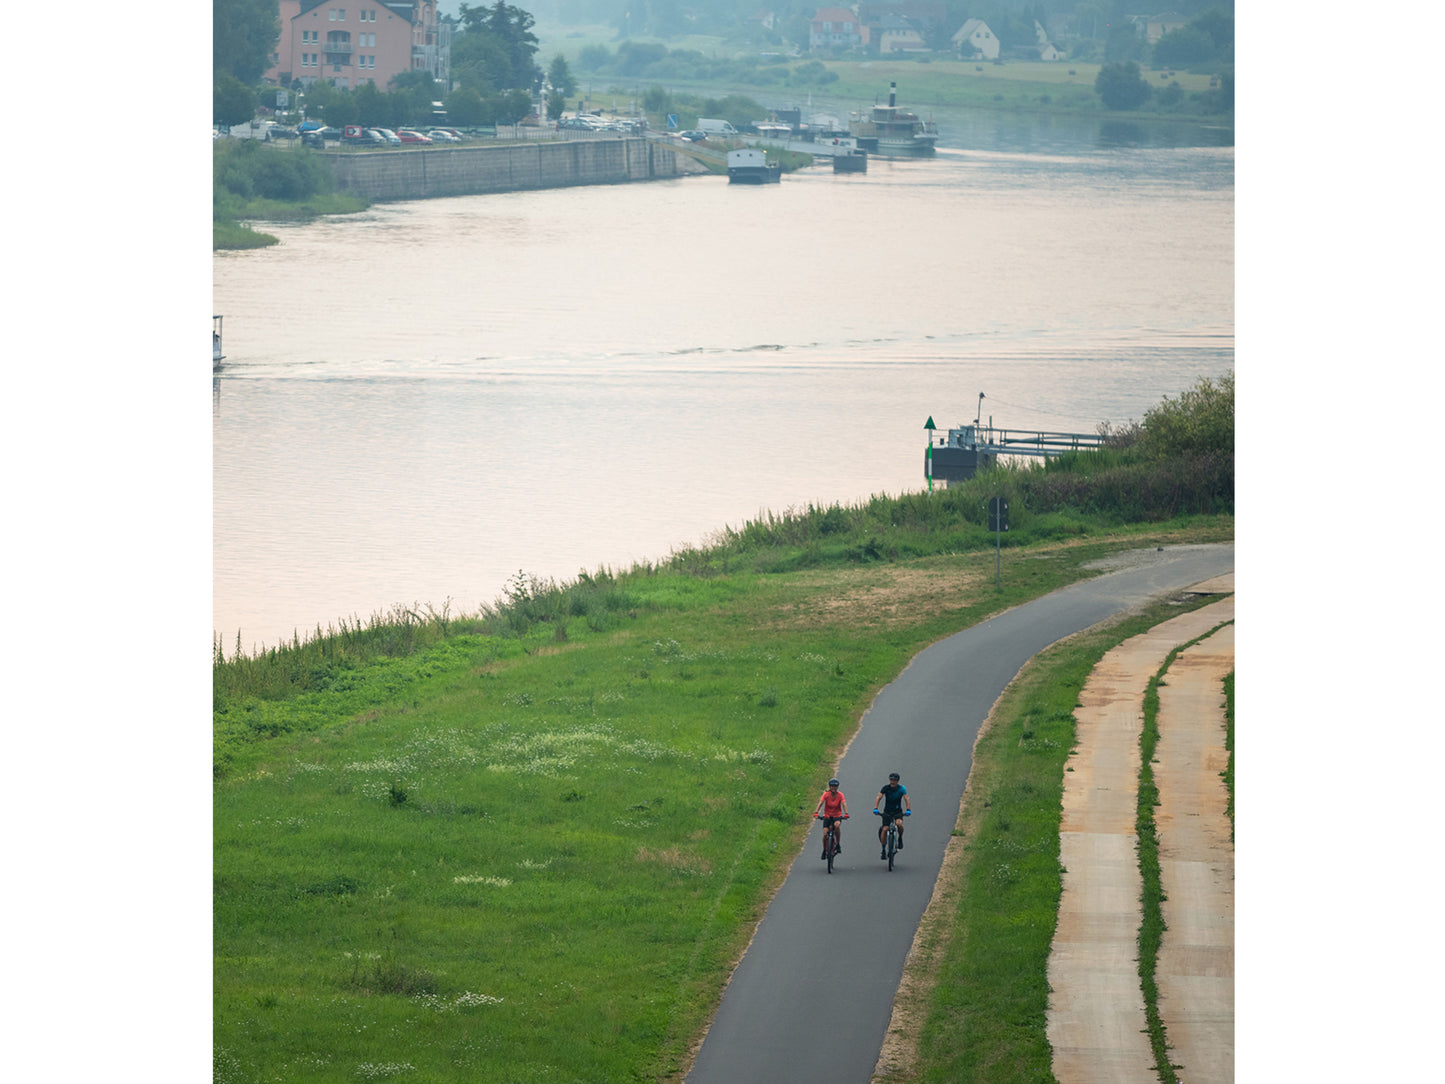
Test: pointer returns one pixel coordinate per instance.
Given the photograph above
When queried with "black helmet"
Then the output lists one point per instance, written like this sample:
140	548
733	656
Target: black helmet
832	782
893	777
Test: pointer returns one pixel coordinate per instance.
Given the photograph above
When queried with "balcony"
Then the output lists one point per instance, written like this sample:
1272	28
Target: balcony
333	48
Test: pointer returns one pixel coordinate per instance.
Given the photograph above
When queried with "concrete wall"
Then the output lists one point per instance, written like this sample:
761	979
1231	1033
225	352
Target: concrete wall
418	173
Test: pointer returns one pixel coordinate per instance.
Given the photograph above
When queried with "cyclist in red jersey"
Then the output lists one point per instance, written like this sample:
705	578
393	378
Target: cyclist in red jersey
833	807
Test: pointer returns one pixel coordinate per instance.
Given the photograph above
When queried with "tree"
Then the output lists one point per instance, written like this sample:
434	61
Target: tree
560	77
244	34
1199	421
1121	86
479	61
413	91
1220	28
514	106
1183	47
511	29
465	107
232	101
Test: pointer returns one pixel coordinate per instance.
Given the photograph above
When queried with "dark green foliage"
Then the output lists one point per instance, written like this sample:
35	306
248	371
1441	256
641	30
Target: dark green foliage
1183	48
247	169
232	101
1121	86
497	51
559	75
244	34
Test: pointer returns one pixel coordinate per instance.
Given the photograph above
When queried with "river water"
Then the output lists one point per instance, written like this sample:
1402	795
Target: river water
423	400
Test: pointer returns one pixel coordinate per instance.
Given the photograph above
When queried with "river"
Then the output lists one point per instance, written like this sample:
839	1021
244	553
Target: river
421	401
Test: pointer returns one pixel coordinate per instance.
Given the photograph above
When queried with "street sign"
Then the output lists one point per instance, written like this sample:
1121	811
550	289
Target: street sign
672	120
997	514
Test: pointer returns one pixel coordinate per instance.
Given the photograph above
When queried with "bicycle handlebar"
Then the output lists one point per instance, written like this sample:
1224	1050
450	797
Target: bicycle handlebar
879	813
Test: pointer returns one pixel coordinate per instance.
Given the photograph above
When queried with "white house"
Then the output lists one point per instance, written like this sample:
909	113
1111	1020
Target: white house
975	39
899	35
1047	50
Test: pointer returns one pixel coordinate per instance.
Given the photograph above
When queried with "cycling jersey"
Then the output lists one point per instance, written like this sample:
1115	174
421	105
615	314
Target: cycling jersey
893	798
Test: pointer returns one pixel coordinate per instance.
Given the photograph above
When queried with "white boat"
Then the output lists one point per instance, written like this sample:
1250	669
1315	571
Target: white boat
892	132
216	356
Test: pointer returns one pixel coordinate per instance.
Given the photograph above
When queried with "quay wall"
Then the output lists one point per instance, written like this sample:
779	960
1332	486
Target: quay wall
419	173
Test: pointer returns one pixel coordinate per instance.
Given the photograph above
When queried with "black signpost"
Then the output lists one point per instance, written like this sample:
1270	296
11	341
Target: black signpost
998	523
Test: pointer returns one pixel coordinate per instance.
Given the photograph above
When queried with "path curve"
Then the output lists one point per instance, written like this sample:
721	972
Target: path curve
812	996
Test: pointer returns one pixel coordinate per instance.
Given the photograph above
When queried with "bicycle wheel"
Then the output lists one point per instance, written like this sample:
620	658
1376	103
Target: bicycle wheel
892	845
831	847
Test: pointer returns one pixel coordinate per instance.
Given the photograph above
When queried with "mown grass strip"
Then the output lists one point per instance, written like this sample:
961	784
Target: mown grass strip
1151	924
979	998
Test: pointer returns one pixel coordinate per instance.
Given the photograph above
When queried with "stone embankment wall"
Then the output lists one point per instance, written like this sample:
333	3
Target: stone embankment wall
418	173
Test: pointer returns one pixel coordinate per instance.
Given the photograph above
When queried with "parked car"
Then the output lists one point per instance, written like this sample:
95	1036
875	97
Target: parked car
406	135
317	137
441	135
579	123
387	136
692	136
456	135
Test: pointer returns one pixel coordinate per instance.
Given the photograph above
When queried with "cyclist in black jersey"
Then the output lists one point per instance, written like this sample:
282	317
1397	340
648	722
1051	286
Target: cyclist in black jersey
893	804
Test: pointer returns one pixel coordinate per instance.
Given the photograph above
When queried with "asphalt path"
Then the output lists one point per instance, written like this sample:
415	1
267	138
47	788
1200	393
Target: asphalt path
813	994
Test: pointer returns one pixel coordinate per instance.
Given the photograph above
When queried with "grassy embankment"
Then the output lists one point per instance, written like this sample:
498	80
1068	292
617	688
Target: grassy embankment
252	182
528	845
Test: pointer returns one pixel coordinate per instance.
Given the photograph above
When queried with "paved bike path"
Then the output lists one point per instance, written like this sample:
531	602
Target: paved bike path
812	996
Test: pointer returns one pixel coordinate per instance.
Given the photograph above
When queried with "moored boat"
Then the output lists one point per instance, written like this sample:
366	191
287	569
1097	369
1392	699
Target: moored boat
890	131
853	160
216	356
750	166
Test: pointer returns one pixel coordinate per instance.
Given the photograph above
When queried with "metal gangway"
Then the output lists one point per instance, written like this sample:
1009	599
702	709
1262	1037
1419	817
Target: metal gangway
970	448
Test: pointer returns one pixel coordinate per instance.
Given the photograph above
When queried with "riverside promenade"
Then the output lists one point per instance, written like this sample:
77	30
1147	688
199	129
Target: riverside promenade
1096	1018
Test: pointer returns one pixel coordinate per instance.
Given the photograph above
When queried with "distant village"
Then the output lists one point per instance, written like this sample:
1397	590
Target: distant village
377	40
913	27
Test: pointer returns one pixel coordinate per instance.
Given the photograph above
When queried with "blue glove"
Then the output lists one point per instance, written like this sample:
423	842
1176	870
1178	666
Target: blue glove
908	812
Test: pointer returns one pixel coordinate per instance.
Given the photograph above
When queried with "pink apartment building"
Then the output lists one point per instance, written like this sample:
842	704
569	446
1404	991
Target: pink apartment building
351	42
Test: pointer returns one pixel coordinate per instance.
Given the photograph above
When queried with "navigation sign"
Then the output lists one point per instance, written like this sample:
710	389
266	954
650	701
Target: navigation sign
929	424
672	120
998	522
997	514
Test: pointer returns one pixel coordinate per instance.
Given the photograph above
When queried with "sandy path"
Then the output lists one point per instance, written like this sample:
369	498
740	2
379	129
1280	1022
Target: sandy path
1195	971
1096	1022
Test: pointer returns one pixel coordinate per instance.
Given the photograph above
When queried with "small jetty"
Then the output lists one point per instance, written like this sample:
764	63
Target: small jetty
970	448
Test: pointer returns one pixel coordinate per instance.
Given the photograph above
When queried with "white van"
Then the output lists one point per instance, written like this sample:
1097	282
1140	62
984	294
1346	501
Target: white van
714	127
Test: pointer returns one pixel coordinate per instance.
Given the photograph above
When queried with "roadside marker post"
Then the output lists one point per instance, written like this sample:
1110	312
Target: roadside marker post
998	523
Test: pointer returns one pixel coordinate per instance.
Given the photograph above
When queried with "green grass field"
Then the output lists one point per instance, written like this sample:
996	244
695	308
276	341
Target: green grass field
536	858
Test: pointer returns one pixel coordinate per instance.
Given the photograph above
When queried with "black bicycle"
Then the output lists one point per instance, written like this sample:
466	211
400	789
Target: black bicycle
890	841
831	846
